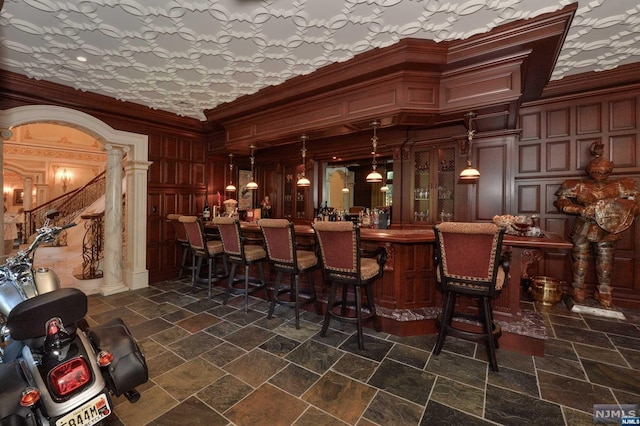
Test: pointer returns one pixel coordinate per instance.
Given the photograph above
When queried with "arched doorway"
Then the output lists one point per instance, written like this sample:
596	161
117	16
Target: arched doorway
126	271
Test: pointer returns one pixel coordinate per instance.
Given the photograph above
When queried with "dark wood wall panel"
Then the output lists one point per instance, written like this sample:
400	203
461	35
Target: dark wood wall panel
491	190
528	199
529	158
565	130
623	114
558	156
558	124
623	150
531	126
589	119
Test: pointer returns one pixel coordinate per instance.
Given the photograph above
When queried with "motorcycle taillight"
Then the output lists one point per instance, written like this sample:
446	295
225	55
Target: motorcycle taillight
69	376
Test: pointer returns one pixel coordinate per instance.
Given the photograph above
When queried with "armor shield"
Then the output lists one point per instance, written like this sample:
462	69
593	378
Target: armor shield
614	215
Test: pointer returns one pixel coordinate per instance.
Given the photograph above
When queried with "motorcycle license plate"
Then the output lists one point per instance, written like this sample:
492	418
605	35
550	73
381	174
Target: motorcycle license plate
87	414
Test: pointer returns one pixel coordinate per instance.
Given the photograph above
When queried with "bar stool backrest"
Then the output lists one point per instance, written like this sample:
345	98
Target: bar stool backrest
231	236
279	240
339	244
181	233
195	234
469	257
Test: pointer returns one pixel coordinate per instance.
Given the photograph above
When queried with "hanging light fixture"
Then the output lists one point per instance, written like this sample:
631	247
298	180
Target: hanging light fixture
384	187
374	176
231	187
252	182
469	173
303	181
345	190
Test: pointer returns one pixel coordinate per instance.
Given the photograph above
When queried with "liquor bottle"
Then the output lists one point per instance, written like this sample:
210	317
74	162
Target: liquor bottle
206	212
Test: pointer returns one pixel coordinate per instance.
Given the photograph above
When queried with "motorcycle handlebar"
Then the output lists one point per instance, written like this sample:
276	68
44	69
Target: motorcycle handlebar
68	225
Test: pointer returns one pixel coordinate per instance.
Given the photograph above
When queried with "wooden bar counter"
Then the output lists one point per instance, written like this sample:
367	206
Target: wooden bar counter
408	300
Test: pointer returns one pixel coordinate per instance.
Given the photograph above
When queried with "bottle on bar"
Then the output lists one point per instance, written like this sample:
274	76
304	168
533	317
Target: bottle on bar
206	212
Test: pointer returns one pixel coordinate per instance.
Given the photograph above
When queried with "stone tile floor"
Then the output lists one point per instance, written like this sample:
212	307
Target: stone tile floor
213	364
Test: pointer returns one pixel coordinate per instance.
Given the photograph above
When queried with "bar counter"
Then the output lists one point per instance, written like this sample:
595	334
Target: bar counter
407	299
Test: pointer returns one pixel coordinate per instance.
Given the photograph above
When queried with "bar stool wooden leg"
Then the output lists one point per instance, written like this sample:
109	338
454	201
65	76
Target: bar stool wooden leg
229	289
274	298
372	308
330	303
358	295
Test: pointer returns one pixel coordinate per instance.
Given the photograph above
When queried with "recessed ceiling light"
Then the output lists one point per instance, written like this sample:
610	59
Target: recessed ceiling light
81	59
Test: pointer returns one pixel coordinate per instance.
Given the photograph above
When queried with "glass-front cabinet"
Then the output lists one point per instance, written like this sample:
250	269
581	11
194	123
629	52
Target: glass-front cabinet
434	184
295	202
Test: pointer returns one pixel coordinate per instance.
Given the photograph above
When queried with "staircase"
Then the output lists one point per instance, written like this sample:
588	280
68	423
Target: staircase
66	259
70	205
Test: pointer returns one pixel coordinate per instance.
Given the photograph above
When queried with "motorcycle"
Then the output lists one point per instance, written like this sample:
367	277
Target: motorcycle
55	369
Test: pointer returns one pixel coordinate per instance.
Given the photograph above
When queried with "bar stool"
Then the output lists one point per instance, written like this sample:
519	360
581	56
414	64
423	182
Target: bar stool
239	253
345	264
285	258
202	249
183	242
470	263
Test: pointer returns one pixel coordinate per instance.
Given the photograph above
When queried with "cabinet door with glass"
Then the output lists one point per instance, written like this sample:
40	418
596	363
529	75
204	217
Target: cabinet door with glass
434	184
295	197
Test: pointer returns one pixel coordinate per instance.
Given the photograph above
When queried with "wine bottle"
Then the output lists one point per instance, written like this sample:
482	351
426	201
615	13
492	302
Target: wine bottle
206	212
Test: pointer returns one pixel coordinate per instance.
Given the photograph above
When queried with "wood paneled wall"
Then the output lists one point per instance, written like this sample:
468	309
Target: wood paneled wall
554	146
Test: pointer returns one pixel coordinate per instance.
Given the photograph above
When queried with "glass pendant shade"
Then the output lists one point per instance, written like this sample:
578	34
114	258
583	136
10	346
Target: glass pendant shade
252	185
384	188
303	180
374	177
345	190
469	173
231	187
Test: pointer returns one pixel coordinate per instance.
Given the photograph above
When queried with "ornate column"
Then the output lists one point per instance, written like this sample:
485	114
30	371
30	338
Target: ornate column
113	282
28	193
4	134
136	274
42	193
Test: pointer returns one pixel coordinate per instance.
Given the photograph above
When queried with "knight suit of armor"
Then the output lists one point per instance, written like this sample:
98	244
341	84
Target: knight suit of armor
605	208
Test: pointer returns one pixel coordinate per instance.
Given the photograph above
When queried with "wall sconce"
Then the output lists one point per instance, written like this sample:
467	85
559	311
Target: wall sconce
374	176
65	178
469	173
345	190
231	187
252	180
303	181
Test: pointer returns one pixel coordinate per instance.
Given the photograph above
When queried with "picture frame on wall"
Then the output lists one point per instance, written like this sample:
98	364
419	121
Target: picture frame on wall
245	195
18	197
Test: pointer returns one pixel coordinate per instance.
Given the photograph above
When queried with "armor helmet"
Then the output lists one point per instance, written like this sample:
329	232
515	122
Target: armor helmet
599	169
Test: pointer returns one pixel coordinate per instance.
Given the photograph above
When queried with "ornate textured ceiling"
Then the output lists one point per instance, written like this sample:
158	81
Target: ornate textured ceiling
188	56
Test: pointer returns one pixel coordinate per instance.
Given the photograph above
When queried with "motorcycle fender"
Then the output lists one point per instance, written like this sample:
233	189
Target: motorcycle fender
52	408
128	368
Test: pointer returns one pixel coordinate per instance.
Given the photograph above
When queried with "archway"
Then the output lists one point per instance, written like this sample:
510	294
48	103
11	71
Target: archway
121	272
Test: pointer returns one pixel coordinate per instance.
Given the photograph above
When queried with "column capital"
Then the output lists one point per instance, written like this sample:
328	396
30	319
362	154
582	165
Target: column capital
111	147
5	133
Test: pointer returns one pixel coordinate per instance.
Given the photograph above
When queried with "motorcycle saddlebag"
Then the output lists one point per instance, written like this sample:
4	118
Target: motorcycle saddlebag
128	368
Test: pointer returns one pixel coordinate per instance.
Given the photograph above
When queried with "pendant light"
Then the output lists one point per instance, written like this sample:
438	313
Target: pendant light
303	181
252	180
469	173
374	176
345	190
231	187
